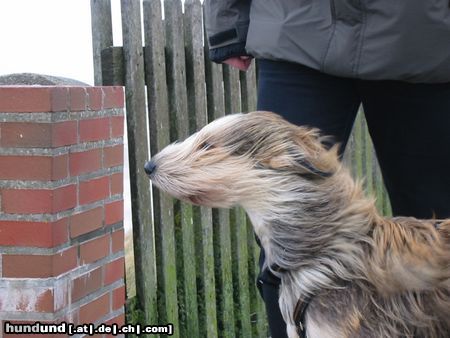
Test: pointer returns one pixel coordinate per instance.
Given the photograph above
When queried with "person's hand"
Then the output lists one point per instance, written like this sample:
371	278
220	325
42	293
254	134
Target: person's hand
239	62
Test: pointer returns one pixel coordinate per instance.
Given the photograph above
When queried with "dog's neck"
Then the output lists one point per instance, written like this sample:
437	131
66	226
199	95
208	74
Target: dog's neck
313	229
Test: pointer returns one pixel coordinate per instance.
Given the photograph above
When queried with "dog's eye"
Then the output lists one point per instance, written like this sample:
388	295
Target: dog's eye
205	146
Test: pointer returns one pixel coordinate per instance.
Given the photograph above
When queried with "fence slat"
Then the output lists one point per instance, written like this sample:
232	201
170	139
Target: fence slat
258	313
226	313
143	238
238	217
195	77
178	105
102	36
112	72
368	156
158	113
378	187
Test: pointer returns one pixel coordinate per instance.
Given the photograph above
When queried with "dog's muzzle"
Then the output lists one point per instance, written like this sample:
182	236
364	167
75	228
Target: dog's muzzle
150	168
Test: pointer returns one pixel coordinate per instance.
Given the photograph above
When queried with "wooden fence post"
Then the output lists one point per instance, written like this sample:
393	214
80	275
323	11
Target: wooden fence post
238	217
195	85
143	234
258	312
221	217
101	34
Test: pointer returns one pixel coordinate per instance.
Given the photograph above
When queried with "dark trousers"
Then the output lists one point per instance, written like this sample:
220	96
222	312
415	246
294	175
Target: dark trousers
409	125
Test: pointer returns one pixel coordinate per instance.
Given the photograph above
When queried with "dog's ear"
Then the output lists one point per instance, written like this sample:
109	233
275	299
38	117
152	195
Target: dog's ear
307	165
305	155
313	153
307	169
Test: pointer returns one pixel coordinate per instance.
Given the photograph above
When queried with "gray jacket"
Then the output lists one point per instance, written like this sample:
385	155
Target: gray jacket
368	39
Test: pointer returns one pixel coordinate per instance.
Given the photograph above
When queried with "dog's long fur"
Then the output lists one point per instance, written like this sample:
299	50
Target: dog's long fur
369	276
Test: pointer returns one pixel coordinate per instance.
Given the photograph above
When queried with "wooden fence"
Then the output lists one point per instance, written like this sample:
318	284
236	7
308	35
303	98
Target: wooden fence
194	267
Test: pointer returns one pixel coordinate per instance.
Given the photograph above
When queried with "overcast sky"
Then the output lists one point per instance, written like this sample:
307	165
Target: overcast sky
49	37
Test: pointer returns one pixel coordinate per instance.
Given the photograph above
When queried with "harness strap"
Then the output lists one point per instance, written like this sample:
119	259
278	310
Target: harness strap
299	316
300	307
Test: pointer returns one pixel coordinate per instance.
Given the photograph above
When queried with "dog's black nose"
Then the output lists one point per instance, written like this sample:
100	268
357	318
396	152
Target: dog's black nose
150	167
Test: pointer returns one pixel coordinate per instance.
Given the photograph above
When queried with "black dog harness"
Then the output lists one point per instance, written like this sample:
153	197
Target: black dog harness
300	307
299	316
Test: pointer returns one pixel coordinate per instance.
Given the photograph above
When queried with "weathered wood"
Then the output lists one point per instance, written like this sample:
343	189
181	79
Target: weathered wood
368	160
359	145
378	183
158	113
195	64
144	251
239	223
166	218
196	111
347	157
112	67
257	308
102	37
222	238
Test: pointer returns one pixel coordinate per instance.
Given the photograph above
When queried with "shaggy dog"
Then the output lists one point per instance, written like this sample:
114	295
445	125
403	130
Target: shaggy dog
360	274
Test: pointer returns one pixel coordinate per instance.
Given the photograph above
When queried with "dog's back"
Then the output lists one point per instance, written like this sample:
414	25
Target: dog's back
406	294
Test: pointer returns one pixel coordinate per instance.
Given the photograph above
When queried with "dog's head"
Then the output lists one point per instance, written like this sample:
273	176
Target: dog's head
238	158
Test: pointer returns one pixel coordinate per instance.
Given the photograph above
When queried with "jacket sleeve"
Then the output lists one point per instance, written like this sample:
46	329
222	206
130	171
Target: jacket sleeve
226	23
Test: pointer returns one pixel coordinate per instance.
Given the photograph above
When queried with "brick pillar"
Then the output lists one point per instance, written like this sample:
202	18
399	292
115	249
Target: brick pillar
61	204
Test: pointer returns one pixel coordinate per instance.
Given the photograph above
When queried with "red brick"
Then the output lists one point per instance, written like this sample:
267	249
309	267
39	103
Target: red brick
39	266
94	310
64	198
26	167
64	133
114	271
36	168
118	298
44	303
86	284
119	320
64	261
85	162
26	201
77	98
60	99
94	190
116	184
32	201
60	167
33	234
94	250
94	129
25	99
85	222
114	212
113	156
117	126
113	97
60	231
18	233
117	241
27	266
69	316
95	98
26	135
